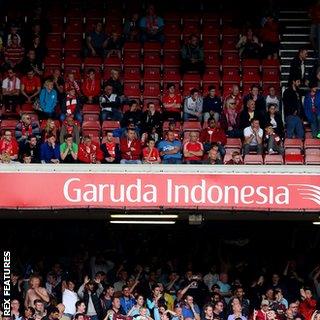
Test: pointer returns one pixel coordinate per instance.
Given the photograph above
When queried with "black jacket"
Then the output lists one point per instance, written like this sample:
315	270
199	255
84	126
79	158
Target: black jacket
292	102
296	70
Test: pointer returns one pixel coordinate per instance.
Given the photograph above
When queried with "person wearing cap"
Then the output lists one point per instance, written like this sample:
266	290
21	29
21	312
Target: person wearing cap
262	313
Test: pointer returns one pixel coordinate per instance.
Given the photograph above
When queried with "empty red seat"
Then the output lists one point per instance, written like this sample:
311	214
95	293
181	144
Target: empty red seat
231	150
229	43
8	125
27	108
53	58
172	44
233	143
251	63
151	74
191	77
171	60
110	125
56	26
293	144
190	27
171	75
152	60
91	117
312	144
228	30
212	59
251	75
92	62
91	109
210	43
132	59
211	28
293	159
230	59
151	47
273	159
271	75
151	90
270	63
72	59
74	26
312	159
231	75
191	126
172	28
132	74
132	89
73	43
91	125
212	75
113	61
132	46
253	159
188	86
54	42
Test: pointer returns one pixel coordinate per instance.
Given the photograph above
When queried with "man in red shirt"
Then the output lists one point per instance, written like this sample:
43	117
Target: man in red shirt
130	147
9	146
193	150
236	158
151	153
172	103
89	152
213	134
308	305
236	96
110	149
30	87
91	87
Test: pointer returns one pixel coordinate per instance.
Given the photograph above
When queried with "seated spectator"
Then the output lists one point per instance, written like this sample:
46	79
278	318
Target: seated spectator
170	149
249	46
49	129
213	134
58	85
131	28
89	151
151	119
236	96
48	100
262	313
270	37
30	63
68	150
293	112
275	119
230	119
110	149
150	153
69	126
26	158
151	26
192	56
312	110
30	87
8	146
11	90
96	42
247	114
110	105
71	106
114	45
236	311
26	128
116	83
193	149
32	149
272	141
71	82
13	32
236	158
190	310
260	102
133	115
172	103
39	48
298	67
193	106
13	52
130	147
50	151
91	87
272	98
152	134
212	105
253	137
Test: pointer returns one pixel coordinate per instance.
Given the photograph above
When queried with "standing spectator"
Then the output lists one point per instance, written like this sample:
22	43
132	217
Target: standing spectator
89	152
26	128
249	46
293	110
30	63
150	153
236	96
151	118
316	278
272	141
50	151
253	137
110	149
39	48
48	100
69	126
91	87
193	106
114	45
261	314
272	98
131	28
106	298
314	14
172	103
212	105
237	160
126	300
312	110
298	67
71	106
58	85
225	288
247	114
192	56
130	147
270	37
230	119
308	305
213	134
96	42
14	52
193	149
260	102
11	90
275	119
151	26
9	146
133	115
35	294
190	309
30	87
31	148
68	150
170	149
110	104
69	298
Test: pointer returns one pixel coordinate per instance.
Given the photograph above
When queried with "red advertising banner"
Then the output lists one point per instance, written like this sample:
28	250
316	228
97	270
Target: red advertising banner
275	192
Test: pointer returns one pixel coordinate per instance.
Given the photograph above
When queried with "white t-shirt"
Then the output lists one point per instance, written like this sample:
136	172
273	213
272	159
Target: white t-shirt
272	100
11	84
69	299
247	132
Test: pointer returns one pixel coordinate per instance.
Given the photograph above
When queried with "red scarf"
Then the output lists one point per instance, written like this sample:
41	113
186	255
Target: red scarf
26	130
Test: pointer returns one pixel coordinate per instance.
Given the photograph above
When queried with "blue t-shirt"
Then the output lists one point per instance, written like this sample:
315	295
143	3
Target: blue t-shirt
165	145
188	313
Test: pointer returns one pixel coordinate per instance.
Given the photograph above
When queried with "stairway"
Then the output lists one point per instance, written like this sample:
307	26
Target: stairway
295	26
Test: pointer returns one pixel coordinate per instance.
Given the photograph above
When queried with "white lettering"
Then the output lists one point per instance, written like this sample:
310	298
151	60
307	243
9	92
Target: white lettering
210	192
285	196
91	194
201	188
244	195
150	193
66	194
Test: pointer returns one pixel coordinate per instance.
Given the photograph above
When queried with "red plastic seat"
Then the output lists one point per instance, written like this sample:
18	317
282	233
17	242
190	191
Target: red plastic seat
91	117
165	126
230	59
151	47
53	58
233	143
212	75
110	125
191	126
312	144
74	26
312	159
171	60
73	43
210	43
91	109
271	75
293	159
255	159
251	63
231	150
270	63
152	60
132	59
293	144
132	46
56	26
228	30
171	75
27	108
151	90
113	61
91	125
251	75
188	86
132	74
273	159
54	42
172	44
8	125
151	74
229	43
231	75
132	90
72	59
211	28
212	59
172	28
93	62
190	28
191	77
